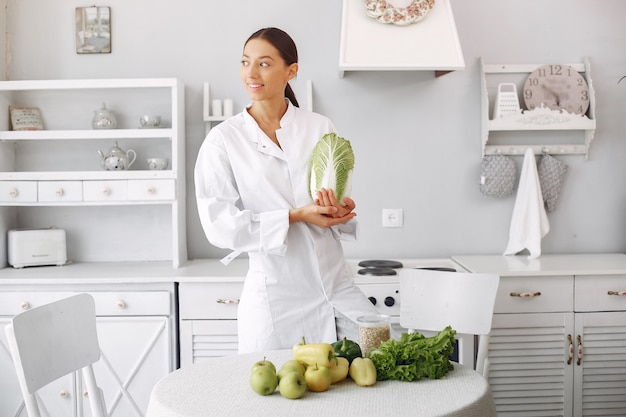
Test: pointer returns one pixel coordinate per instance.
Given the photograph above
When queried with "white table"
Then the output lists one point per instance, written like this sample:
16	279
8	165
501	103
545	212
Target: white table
220	387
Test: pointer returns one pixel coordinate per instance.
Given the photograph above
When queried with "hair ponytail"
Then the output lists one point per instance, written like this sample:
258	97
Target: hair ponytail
291	95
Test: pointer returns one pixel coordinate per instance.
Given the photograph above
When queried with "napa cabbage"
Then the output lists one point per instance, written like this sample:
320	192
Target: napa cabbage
332	163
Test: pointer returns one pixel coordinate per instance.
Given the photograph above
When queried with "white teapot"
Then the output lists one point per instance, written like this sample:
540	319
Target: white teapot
117	159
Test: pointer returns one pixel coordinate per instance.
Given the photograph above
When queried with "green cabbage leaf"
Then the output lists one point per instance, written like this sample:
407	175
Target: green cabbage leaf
332	163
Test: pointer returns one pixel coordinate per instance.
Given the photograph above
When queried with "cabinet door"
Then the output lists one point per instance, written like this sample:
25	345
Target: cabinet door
135	356
57	399
203	339
529	372
600	376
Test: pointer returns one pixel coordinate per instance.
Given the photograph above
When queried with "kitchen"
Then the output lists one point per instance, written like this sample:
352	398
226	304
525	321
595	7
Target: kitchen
424	134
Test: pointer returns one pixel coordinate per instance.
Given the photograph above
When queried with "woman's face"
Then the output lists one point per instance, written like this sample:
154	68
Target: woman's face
263	71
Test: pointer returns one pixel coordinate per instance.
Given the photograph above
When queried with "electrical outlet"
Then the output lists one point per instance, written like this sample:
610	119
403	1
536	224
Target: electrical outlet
392	217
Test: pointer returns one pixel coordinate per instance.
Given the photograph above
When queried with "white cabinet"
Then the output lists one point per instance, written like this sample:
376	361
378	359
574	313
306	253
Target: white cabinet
528	348
136	332
53	177
558	338
208	320
540	130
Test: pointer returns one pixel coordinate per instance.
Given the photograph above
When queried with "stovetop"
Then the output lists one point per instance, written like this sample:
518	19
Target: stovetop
371	271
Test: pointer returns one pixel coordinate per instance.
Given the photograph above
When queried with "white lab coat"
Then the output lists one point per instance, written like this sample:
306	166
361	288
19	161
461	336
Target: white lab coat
245	187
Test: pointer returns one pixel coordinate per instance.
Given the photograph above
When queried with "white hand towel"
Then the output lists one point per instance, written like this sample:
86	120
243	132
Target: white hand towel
529	223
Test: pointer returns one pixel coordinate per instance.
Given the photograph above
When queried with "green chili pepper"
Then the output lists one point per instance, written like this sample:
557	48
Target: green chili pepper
347	349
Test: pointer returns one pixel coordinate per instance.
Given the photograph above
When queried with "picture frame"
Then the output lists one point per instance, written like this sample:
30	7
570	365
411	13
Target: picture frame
93	30
25	118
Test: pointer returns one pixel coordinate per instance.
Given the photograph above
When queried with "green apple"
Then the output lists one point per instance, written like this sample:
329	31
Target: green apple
292	385
318	378
264	362
263	380
289	366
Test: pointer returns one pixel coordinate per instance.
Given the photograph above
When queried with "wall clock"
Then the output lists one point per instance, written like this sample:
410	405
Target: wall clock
558	87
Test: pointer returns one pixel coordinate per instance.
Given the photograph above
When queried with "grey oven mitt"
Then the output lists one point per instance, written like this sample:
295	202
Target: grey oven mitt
498	174
551	173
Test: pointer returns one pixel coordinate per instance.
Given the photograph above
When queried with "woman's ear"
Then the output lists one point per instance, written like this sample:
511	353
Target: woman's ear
292	72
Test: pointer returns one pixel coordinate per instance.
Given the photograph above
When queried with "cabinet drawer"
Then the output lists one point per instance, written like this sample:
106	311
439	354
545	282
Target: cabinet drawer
105	190
209	300
140	190
535	294
600	293
108	303
18	191
57	191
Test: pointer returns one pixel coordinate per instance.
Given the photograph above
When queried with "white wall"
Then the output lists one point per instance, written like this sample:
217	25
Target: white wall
416	137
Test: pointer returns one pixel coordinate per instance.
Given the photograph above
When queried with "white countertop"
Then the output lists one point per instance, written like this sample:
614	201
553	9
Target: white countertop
205	270
212	270
567	264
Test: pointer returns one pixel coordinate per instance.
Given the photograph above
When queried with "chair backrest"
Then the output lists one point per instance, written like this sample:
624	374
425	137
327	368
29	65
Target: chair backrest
432	300
54	340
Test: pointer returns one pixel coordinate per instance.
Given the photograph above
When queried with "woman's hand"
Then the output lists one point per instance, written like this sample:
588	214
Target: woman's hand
326	198
322	216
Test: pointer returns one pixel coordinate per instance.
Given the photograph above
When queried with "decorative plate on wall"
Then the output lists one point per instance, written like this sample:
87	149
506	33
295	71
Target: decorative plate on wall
393	12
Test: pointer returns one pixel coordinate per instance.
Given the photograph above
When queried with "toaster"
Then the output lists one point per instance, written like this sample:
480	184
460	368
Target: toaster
36	247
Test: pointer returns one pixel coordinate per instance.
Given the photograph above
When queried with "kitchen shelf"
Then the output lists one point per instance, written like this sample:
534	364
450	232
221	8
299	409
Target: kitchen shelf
544	120
83	134
55	179
210	120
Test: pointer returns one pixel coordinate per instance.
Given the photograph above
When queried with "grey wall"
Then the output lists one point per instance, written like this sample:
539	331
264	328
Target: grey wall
416	137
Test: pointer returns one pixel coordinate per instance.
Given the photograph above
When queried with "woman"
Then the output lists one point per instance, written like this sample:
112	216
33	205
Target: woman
251	181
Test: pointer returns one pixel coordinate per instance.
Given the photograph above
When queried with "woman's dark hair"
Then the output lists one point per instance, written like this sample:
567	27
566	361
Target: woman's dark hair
286	48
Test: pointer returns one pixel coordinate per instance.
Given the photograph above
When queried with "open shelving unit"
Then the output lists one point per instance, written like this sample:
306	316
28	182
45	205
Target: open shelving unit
54	175
533	121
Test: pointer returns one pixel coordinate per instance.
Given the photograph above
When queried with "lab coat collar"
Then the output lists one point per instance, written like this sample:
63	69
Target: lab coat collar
264	144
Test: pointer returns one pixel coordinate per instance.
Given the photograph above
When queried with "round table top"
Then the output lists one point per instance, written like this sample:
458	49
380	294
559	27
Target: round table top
220	387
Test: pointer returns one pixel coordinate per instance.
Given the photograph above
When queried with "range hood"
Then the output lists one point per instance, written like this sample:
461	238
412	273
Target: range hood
431	44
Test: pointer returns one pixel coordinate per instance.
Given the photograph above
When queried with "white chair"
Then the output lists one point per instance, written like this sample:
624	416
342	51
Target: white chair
54	340
432	300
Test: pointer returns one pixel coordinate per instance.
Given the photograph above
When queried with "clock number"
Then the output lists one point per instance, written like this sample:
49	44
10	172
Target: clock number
584	95
556	70
528	93
580	81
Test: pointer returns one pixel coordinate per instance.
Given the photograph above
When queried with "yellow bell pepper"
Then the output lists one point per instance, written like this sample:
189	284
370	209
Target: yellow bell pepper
339	369
314	353
363	372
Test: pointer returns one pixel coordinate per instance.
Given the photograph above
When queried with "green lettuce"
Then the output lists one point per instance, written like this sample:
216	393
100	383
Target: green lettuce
332	163
414	356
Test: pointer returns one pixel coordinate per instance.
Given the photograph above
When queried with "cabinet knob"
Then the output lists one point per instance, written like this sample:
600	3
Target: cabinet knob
227	301
13	192
151	190
25	305
120	304
60	192
85	394
622	293
106	191
63	393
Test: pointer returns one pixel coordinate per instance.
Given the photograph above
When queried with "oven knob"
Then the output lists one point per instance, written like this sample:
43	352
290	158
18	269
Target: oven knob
389	301
372	300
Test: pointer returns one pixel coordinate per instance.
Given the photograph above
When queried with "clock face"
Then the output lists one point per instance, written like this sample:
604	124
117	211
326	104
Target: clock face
558	87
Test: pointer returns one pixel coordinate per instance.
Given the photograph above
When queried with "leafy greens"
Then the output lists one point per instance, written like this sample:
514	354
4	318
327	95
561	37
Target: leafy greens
414	356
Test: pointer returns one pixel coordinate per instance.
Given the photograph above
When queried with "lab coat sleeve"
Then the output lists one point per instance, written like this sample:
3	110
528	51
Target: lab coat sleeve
347	231
225	222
